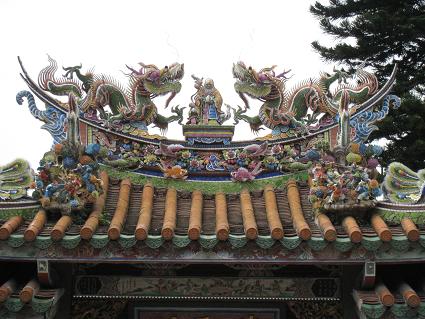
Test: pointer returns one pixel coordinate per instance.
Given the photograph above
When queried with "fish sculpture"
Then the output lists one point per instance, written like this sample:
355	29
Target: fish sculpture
244	175
174	172
169	150
255	150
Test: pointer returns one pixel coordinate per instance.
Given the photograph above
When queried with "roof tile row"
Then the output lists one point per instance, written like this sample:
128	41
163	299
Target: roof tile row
149	211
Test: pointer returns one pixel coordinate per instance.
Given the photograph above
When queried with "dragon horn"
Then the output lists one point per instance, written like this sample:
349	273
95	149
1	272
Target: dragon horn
195	77
255	74
147	66
283	74
133	70
268	69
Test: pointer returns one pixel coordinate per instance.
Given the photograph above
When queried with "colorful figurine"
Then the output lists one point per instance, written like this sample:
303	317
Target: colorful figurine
206	104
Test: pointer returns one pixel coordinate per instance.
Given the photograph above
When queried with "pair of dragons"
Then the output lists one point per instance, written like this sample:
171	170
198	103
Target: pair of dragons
133	103
280	111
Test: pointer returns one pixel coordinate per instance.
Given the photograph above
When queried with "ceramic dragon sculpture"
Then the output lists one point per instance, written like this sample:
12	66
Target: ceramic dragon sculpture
128	105
54	119
310	103
364	123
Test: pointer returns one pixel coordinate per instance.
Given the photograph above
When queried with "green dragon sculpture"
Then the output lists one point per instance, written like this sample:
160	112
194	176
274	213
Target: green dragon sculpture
130	106
308	104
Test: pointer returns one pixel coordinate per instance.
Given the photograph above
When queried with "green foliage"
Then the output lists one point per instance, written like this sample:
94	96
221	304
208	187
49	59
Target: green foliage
384	32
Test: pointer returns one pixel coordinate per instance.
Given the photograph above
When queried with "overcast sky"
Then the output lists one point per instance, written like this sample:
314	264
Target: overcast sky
207	36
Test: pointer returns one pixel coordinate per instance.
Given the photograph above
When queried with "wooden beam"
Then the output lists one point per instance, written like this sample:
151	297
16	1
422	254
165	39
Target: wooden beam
92	222
58	231
7	289
410	229
273	218
35	227
384	294
381	228
10	226
248	217
29	291
145	214
409	295
195	219
170	215
221	221
120	215
298	220
43	272
352	229
369	274
325	225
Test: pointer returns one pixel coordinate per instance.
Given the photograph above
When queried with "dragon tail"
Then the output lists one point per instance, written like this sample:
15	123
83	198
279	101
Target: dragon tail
62	86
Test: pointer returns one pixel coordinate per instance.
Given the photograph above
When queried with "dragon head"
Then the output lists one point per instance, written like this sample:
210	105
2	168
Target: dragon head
256	84
162	81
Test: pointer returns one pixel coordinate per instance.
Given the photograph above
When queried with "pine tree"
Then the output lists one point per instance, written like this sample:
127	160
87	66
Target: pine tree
384	32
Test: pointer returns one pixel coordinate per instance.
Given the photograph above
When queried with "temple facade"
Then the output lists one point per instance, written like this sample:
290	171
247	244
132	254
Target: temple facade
117	222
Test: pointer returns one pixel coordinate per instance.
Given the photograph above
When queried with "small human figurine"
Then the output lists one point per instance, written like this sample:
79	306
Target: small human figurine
193	115
207	103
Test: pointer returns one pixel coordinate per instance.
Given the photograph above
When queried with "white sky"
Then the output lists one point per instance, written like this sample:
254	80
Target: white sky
207	36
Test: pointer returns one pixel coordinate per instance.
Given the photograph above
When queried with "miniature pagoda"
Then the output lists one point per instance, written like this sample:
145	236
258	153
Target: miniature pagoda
116	222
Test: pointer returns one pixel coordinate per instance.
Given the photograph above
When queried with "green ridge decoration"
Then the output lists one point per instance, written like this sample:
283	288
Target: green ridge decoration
25	212
404	186
204	186
15	179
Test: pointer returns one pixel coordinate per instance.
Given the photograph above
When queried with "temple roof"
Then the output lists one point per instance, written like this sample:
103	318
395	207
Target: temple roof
389	299
28	300
273	223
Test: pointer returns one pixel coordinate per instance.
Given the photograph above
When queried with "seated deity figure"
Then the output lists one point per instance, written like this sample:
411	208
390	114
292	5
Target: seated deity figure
206	103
